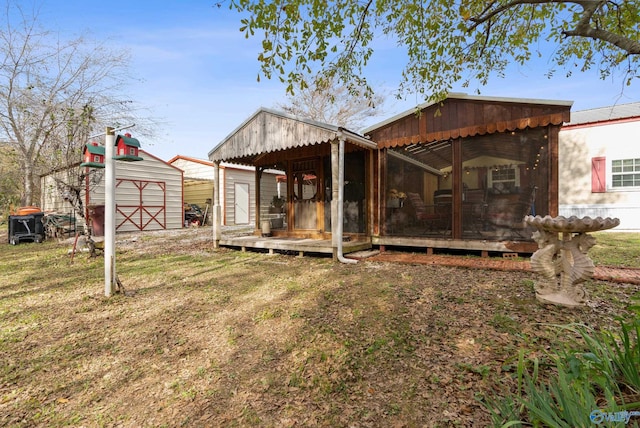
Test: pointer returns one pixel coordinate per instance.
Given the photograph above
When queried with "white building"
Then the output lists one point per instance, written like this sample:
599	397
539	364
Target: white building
238	199
599	164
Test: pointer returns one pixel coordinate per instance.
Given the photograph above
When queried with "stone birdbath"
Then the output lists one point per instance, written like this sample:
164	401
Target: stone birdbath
561	259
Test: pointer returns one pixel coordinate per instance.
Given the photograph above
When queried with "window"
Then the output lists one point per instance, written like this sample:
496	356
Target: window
625	173
504	179
504	175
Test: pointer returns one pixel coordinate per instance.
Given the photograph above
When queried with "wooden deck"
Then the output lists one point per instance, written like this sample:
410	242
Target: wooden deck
484	246
299	245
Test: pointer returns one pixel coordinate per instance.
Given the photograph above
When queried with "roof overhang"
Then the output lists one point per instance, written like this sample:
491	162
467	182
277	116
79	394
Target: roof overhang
268	131
465	116
463	96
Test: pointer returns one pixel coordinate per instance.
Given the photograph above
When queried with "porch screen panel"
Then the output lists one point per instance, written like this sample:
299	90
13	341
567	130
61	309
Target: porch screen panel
418	191
503	175
273	197
354	209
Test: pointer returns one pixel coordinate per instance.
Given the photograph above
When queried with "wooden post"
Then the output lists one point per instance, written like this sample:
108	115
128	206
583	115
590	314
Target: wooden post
553	177
258	177
216	212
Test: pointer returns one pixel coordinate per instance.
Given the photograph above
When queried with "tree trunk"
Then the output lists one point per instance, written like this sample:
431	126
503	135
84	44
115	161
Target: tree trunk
27	195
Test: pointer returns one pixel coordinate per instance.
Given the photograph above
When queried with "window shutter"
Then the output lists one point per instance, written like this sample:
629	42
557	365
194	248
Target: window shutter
598	175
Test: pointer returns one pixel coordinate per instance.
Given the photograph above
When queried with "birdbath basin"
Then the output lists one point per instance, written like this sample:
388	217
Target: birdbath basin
562	260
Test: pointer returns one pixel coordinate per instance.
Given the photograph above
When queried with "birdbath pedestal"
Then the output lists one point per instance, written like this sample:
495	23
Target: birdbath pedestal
561	259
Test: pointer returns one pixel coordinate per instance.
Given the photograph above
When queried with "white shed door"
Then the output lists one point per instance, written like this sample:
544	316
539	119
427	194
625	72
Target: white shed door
241	204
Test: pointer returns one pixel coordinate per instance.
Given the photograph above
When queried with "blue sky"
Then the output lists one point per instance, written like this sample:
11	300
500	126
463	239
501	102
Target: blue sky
198	72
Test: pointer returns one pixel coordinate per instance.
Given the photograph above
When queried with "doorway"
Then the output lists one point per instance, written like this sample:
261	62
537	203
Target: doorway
241	203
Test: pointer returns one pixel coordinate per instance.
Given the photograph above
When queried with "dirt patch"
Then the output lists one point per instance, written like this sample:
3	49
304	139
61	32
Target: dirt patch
209	337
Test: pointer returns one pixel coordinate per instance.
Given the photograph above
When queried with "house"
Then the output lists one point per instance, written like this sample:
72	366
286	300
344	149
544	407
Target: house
148	193
599	164
459	174
238	184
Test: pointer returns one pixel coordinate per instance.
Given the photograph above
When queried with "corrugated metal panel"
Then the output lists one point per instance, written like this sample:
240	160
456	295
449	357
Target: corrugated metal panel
604	114
194	168
52	200
197	192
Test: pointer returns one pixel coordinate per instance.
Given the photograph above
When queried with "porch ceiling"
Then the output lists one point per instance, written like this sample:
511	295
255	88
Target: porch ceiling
268	131
509	145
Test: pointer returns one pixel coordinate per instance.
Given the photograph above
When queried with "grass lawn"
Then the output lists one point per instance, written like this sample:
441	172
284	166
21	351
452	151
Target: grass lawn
206	337
616	249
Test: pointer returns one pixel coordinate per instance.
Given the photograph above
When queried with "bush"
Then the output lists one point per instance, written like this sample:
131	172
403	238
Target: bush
593	382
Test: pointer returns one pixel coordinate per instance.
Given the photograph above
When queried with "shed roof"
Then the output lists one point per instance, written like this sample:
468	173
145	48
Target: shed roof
462	115
606	114
269	131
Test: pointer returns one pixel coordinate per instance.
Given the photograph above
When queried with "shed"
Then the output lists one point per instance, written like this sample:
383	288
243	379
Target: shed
238	184
600	164
148	193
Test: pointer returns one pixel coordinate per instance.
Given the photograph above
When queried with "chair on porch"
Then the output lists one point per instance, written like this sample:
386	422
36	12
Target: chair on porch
508	218
435	217
474	208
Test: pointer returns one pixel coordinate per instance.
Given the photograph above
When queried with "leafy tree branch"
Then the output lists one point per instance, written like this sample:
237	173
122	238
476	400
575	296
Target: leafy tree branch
463	42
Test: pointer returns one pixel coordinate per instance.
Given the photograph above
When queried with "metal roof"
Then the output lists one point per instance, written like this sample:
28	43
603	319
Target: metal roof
605	114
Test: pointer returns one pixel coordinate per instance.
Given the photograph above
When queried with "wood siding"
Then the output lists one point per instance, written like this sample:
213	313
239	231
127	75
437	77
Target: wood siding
268	132
461	118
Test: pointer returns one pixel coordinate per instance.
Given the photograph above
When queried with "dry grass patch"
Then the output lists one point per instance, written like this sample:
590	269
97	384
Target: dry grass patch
208	337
